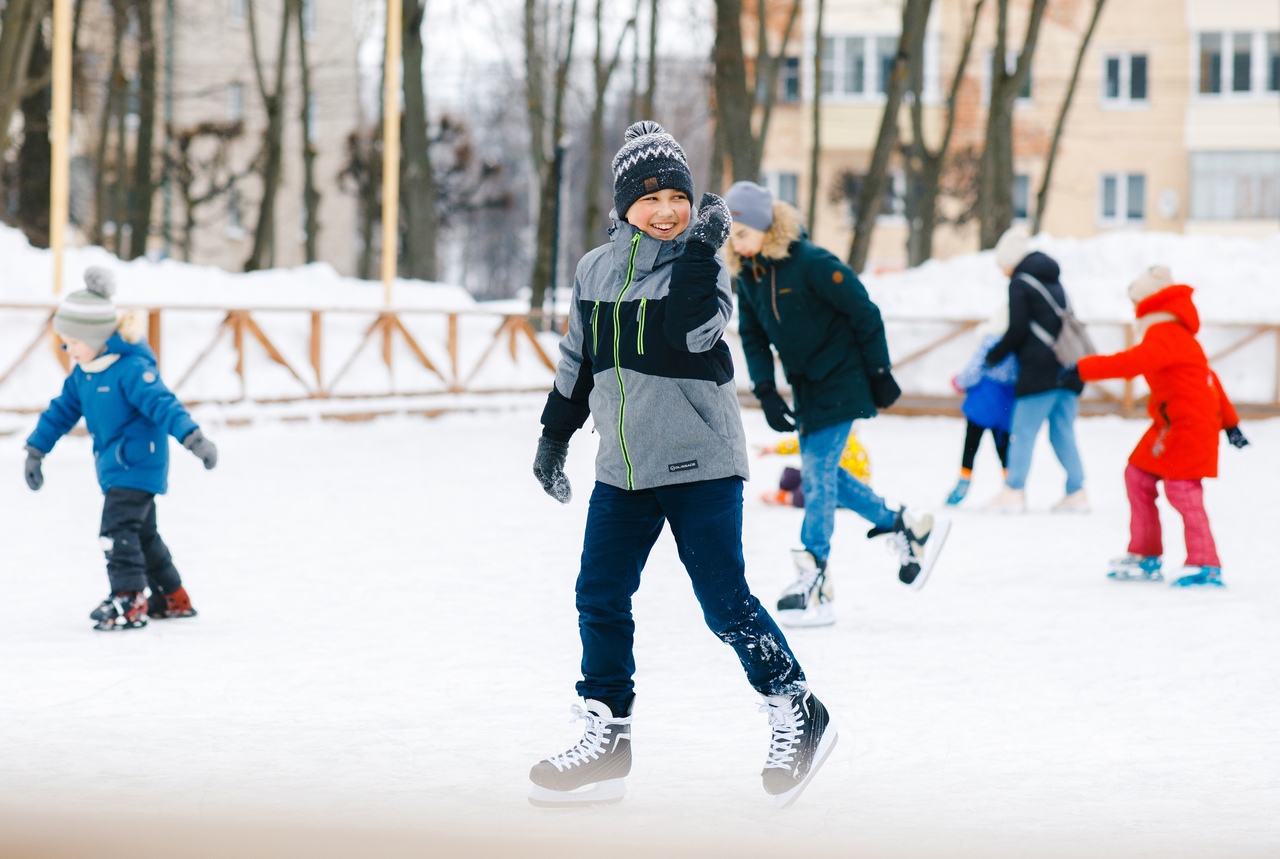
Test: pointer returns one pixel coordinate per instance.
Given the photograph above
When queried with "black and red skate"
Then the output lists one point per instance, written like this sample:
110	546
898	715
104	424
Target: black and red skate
166	606
125	610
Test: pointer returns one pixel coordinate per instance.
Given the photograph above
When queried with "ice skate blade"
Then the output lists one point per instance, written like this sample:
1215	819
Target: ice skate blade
825	745
823	614
932	549
606	792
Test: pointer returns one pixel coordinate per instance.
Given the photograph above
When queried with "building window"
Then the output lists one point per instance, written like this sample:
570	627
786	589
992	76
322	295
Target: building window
860	66
1228	186
855	66
237	11
1273	62
788	80
785	187
1210	63
886	51
235	102
1021	196
1010	66
235	224
1124	79
1123	198
1241	61
308	18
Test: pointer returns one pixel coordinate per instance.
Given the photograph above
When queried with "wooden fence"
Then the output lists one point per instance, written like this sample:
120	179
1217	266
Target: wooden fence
462	344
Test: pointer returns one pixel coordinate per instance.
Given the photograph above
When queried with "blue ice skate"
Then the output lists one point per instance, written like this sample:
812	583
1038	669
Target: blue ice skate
1199	577
1135	568
957	495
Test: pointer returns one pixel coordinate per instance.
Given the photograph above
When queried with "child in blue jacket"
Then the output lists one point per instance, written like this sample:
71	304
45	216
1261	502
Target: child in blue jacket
988	402
130	414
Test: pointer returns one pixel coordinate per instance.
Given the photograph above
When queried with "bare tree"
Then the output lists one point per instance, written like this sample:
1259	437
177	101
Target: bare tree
143	185
117	86
21	23
271	155
310	194
418	181
197	163
741	137
546	127
814	153
35	157
1042	196
915	15
995	189
603	66
925	165
651	67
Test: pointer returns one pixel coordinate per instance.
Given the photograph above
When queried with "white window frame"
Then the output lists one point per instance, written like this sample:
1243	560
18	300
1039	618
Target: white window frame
930	90
1125	99
1121	217
1258	70
1031	200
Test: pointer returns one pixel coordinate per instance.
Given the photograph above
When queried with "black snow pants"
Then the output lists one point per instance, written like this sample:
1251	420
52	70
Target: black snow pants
136	556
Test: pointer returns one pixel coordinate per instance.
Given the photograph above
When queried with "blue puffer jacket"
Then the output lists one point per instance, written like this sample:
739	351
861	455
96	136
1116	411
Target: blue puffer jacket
989	391
129	412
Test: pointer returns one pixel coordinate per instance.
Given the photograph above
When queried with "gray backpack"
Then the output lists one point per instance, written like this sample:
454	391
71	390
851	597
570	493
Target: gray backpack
1072	342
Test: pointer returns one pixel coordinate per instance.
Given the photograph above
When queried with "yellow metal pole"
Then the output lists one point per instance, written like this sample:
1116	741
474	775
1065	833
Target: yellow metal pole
59	136
391	147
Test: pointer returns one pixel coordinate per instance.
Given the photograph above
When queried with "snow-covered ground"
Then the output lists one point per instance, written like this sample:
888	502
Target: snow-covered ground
387	640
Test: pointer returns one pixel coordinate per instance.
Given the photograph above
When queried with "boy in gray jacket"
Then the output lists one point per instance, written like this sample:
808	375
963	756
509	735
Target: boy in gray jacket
644	356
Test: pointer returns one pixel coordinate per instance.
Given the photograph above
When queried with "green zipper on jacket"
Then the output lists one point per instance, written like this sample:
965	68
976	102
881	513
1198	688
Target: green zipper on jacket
595	346
617	361
640	334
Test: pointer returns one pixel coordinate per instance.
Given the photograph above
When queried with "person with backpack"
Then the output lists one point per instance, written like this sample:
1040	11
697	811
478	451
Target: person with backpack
1038	305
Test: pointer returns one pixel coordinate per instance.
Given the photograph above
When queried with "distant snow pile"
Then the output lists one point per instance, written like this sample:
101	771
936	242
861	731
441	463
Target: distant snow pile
1236	280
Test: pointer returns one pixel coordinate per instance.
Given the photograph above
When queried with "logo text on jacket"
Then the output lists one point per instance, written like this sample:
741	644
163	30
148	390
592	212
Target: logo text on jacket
683	466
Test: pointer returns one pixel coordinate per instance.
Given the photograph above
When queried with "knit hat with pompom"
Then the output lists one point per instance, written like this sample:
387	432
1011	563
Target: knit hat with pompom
649	161
1150	282
89	314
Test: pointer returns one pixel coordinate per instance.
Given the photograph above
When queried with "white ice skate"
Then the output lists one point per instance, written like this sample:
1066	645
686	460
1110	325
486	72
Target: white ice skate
593	772
808	600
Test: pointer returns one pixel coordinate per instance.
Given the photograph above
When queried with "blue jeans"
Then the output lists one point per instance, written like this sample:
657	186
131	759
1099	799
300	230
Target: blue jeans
706	521
1059	408
826	485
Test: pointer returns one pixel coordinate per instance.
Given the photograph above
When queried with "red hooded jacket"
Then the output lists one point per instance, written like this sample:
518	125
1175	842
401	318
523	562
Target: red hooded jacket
1187	403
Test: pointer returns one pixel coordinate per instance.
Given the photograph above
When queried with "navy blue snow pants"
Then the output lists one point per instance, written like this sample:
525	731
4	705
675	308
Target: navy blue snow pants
706	521
136	556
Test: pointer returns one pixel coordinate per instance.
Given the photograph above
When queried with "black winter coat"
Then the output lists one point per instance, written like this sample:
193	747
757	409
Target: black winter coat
1038	367
809	306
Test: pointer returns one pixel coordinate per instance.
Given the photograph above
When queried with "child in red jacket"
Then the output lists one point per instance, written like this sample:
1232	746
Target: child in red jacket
1189	408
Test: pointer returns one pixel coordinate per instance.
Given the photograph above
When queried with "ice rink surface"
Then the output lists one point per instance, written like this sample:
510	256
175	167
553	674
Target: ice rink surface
387	641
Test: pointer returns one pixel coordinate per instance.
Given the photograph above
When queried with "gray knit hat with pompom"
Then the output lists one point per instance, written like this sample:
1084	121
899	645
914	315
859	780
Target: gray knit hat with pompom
89	314
648	162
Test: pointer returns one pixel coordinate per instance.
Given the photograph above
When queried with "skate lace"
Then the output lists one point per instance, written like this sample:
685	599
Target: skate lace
899	545
592	744
788	728
805	581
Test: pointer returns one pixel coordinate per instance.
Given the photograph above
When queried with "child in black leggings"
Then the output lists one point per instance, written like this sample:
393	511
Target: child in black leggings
988	402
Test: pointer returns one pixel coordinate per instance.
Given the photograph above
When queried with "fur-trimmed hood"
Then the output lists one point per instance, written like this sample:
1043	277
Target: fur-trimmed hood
786	230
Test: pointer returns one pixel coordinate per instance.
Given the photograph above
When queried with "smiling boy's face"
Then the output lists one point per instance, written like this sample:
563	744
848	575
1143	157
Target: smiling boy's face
663	214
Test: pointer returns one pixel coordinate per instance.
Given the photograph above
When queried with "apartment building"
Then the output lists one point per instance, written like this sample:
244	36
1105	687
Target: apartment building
1175	123
206	76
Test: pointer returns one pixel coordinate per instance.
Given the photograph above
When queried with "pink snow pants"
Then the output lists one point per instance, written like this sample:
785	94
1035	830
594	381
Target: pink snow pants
1187	497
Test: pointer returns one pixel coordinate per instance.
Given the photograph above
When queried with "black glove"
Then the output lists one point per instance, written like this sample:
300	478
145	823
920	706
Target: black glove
714	220
204	449
776	412
548	467
884	390
1234	436
1069	378
35	477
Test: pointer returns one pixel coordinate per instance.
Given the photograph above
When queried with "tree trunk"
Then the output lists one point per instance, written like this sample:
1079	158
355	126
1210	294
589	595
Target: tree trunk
310	194
915	14
651	68
995	186
604	68
734	102
1042	196
121	186
925	166
143	176
816	151
21	24
546	133
263	253
115	93
418	181
36	157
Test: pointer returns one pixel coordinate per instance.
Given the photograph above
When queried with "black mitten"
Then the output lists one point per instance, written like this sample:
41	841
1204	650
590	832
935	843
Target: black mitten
548	467
714	221
884	389
1234	436
776	411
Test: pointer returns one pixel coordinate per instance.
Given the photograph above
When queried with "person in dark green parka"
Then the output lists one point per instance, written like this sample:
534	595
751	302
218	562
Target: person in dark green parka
800	301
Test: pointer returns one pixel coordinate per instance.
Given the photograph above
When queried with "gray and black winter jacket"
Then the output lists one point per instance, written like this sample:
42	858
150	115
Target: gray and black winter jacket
644	355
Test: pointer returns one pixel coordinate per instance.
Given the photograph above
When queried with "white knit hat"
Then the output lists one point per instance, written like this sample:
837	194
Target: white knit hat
1149	283
89	314
1012	248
